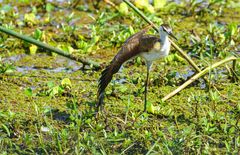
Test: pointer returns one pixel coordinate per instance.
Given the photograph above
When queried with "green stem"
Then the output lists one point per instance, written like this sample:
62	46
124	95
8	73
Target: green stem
198	75
49	48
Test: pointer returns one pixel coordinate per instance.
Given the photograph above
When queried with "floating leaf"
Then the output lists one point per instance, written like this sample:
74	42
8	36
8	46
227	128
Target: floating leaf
38	34
158	4
66	82
49	7
123	89
139	60
55	90
70	49
150	108
28	92
82	44
33	49
30	19
123	8
149	8
141	3
50	84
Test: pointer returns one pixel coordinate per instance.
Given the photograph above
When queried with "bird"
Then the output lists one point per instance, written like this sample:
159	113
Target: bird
149	47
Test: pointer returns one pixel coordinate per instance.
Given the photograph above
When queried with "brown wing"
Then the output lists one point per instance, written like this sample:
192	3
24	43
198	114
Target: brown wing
129	49
148	42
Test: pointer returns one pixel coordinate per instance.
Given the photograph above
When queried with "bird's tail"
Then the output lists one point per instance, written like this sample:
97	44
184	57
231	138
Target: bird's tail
105	79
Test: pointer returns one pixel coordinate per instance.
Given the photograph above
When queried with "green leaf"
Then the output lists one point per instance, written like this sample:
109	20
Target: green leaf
49	7
158	4
30	18
123	89
33	49
131	30
178	58
141	3
38	34
50	84
139	60
66	82
70	49
28	92
82	44
6	129
54	91
150	108
123	8
149	8
233	28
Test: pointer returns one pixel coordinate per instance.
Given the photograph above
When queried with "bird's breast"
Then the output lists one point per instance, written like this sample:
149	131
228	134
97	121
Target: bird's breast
156	52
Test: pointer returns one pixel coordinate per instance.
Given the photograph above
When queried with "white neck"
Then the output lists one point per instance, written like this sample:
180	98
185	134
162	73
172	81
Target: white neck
165	43
164	37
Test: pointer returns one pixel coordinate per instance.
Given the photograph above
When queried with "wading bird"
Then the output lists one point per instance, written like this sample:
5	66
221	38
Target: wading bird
147	46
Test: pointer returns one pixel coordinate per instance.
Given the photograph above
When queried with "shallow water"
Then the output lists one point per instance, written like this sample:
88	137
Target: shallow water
71	66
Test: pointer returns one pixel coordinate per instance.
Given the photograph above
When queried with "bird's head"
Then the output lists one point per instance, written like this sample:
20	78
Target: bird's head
165	28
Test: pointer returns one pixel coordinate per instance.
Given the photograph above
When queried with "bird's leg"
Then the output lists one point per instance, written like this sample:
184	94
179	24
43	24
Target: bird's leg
149	64
100	111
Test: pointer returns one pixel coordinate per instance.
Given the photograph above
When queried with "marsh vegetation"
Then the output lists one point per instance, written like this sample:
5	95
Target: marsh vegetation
47	101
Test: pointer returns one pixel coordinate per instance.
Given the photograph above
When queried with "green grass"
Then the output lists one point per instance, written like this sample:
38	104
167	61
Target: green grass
47	112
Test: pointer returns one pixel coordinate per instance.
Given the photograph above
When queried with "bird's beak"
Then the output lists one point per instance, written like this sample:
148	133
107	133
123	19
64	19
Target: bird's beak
168	31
